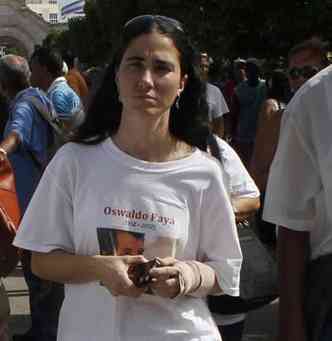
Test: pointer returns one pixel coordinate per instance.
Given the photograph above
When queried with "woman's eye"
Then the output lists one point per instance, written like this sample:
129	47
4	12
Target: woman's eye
163	68
135	65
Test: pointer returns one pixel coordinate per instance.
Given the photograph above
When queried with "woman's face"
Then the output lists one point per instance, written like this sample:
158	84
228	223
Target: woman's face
149	76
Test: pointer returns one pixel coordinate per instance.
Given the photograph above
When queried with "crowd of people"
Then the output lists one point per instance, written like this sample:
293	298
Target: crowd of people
132	189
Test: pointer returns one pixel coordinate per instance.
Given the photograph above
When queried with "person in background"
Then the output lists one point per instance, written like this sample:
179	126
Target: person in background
248	97
297	199
236	75
26	139
74	78
245	198
216	102
142	137
46	73
266	143
304	61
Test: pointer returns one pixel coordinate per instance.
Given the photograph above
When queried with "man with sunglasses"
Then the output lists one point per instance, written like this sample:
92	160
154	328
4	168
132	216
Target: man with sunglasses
298	200
304	61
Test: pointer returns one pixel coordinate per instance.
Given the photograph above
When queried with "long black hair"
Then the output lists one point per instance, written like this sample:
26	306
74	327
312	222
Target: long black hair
188	120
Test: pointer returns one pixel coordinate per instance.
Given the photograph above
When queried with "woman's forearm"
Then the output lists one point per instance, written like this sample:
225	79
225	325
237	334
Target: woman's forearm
59	266
244	208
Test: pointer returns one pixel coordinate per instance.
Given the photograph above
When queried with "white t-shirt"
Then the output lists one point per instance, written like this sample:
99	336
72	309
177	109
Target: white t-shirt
239	184
180	207
299	188
216	102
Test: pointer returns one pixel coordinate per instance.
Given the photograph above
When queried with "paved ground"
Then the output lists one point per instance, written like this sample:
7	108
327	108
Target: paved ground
260	324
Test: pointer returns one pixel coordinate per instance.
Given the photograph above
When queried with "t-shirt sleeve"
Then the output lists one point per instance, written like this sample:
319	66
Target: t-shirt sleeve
216	103
22	122
294	179
241	183
219	242
48	221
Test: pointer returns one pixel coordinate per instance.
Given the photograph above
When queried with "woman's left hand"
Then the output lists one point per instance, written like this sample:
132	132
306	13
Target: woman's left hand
165	278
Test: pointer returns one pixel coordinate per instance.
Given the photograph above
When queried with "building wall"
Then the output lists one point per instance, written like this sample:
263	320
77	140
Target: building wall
49	10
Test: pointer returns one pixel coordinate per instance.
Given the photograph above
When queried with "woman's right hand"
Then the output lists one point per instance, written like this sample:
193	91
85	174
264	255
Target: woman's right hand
112	271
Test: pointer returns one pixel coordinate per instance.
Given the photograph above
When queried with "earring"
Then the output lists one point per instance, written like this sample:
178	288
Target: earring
177	102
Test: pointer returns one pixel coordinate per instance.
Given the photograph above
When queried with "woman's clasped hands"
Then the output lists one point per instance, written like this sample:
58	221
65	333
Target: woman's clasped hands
134	275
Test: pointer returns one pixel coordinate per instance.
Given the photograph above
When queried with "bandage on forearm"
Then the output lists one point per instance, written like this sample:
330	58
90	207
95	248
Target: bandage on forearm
195	278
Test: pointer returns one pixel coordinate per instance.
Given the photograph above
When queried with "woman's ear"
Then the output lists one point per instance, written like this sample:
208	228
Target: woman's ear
183	83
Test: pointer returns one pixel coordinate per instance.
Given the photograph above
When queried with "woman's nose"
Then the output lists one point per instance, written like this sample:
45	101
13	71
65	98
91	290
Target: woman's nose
146	79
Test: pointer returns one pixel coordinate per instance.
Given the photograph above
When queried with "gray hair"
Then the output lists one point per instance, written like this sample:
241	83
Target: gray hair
14	74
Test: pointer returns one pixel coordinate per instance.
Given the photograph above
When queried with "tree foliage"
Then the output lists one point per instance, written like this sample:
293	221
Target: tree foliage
225	28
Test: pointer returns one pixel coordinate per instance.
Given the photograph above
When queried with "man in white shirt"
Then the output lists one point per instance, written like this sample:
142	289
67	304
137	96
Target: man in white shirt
299	192
215	99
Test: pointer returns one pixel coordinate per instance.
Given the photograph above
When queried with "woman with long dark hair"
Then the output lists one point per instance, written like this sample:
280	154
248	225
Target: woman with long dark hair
136	166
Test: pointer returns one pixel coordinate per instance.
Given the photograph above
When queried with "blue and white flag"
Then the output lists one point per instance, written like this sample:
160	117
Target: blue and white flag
71	8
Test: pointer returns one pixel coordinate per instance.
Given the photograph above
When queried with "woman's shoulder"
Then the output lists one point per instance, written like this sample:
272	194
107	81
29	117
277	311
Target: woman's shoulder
74	154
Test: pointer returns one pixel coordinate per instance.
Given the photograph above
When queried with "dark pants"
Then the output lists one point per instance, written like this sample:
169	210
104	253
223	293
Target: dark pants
232	332
327	329
45	302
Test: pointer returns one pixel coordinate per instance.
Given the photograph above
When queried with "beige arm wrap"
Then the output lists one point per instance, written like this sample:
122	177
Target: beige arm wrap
196	279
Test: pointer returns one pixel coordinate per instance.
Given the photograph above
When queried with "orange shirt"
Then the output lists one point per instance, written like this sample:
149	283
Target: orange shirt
77	83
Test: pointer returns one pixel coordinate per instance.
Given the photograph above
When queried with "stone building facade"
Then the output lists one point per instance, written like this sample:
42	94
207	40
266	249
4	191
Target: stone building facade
20	28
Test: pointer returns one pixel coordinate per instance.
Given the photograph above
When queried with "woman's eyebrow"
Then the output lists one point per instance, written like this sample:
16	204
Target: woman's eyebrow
134	58
164	62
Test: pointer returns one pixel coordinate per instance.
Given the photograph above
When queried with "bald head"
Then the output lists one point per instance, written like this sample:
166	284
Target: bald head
14	75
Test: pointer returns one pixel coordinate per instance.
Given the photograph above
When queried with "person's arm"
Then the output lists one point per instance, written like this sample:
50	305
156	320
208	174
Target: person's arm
9	144
245	208
266	141
112	271
20	129
293	250
243	190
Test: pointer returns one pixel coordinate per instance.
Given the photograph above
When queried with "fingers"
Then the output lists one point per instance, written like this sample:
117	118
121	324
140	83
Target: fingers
163	273
114	275
169	261
168	288
133	259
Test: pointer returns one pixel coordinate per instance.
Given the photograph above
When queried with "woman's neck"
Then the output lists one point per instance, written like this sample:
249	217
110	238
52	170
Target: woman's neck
150	140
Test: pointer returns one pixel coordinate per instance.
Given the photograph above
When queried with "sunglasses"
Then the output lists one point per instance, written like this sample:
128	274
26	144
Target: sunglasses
141	19
306	72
